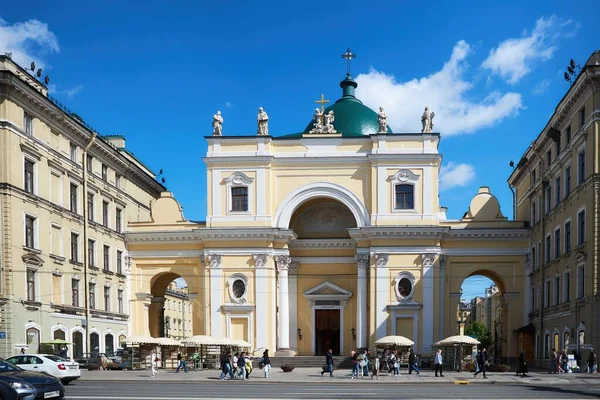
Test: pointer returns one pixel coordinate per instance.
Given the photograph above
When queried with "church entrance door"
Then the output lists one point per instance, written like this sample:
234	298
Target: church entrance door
327	331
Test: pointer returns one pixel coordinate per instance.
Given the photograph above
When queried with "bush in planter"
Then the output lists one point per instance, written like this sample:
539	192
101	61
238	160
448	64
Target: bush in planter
287	368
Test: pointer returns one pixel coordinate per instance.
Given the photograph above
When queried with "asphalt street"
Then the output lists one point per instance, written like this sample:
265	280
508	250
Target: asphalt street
133	390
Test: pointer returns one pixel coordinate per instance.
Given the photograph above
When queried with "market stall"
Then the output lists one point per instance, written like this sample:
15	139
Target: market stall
400	344
457	350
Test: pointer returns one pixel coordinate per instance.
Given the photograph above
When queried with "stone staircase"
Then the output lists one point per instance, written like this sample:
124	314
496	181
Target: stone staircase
341	362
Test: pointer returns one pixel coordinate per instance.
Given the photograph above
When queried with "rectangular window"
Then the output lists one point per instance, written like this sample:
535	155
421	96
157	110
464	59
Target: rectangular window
547	294
30	232
548	158
89	160
105	214
581	227
57	240
567	181
120	300
28	174
75	292
119	262
539	253
539	216
106	257
557	243
239	198
90	207
74	247
73	197
404	197
533	176
533	212
28	124
92	294
117	181
548	199
581	167
30	285
104	173
567	236
556	290
91	253
55	188
548	249
582	117
557	191
73	152
106	298
568	134
533	258
567	287
580	281
118	220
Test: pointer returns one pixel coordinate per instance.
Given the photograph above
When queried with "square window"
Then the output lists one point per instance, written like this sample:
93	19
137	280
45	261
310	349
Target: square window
404	197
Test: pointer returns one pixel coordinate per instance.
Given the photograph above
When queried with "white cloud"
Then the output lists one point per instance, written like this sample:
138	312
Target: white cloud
69	93
455	175
514	58
228	104
27	41
443	91
541	87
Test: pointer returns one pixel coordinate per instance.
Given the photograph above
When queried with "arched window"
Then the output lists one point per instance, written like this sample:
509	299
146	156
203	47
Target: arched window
405	197
77	344
556	343
547	345
109	346
59	334
33	340
94	343
566	339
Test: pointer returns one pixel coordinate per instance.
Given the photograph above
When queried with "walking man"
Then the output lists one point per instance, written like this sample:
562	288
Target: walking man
329	363
437	363
480	363
181	362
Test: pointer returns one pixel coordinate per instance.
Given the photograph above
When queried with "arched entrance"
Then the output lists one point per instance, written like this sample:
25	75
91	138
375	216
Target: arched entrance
170	313
94	343
77	344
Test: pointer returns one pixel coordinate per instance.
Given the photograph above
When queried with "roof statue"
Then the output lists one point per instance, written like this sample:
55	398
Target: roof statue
329	118
263	122
427	121
318	122
382	118
217	124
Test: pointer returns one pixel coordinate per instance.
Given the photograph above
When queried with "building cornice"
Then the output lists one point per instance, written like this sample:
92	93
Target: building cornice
321	243
273	234
499	233
414	232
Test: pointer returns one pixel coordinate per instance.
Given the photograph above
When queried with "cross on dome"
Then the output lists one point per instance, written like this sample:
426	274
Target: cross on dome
348	56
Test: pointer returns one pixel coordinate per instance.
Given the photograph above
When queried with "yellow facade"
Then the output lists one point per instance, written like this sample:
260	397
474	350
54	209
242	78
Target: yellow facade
64	268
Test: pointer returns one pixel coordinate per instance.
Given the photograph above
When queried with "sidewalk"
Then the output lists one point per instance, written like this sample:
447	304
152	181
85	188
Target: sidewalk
313	375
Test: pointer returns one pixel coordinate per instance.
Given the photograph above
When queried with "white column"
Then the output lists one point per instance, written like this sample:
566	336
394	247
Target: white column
262	307
428	261
362	261
440	310
283	263
527	289
382	294
293	287
213	262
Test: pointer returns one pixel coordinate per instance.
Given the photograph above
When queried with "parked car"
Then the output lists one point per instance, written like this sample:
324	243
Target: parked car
94	361
61	368
7	392
30	385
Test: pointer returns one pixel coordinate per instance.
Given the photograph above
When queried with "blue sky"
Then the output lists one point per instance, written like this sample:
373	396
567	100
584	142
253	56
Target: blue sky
156	72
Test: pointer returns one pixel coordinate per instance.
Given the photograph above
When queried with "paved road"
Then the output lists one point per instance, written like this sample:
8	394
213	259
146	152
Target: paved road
83	390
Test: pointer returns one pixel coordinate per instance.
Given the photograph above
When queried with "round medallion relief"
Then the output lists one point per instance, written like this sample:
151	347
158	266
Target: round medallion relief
404	287
239	288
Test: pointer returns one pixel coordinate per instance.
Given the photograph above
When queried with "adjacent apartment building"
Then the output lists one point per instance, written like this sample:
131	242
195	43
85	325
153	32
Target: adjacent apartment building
177	312
557	184
66	195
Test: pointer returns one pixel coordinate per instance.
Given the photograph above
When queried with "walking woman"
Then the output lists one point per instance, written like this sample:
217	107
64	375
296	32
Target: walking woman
522	364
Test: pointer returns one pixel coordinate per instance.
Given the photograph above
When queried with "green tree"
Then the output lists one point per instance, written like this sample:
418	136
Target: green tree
480	332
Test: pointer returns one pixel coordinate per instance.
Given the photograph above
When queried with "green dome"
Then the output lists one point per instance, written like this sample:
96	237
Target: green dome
352	118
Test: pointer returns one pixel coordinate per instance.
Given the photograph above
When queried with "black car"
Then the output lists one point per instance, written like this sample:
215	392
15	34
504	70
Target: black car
7	392
30	385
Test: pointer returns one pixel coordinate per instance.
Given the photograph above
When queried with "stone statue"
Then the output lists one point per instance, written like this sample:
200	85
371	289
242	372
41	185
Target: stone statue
329	118
427	120
263	122
318	125
382	121
217	124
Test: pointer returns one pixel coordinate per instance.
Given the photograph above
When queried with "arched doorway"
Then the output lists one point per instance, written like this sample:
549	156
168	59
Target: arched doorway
171	309
33	340
94	343
77	344
481	313
109	344
325	279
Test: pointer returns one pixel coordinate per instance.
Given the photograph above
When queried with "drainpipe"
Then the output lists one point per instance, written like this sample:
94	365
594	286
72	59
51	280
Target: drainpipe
514	199
85	243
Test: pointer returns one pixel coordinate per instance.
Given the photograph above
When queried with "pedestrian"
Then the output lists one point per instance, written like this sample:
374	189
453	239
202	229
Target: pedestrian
481	359
154	363
354	356
242	365
266	361
226	365
329	363
437	363
181	363
376	366
553	363
412	362
591	361
23	350
522	364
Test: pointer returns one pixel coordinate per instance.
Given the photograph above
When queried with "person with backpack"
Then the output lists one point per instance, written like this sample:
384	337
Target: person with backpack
154	363
181	363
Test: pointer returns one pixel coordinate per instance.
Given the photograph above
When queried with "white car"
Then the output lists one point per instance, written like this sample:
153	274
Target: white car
63	369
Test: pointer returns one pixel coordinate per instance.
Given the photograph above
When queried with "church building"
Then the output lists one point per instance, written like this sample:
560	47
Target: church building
327	239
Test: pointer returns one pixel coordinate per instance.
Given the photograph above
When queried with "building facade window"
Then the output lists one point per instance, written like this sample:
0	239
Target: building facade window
557	191
92	293
106	257
104	173
73	152
556	290
557	243
568	134
31	292
90	207
548	158
75	292
74	247
29	176
567	236
106	298
405	197
580	281
28	124
30	231
567	287
533	258
548	249
119	262
239	198
533	212
546	345
120	301
89	161
118	220
73	197
567	181
581	167
548	198
105	214
91	253
117	181
581	227
582	117
547	288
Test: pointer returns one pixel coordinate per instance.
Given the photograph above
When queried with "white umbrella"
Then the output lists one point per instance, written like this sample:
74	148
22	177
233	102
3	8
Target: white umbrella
458	340
399	341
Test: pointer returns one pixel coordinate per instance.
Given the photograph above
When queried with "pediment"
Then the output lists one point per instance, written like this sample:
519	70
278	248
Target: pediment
33	260
327	290
579	256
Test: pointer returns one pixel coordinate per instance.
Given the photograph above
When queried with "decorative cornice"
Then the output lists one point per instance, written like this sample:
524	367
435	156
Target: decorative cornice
500	233
415	232
321	243
186	235
274	234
